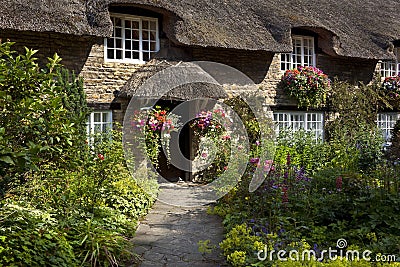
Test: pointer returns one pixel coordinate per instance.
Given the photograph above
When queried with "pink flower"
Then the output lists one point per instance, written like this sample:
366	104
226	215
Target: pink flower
269	165
203	155
226	137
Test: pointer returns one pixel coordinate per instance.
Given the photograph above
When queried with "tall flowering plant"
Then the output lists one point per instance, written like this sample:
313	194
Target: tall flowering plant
309	85
391	85
213	142
153	123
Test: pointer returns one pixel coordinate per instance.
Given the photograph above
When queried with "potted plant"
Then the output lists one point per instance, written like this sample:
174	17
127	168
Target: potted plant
309	85
391	86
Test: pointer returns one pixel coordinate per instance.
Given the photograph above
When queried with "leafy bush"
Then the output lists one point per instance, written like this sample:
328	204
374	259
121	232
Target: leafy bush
29	238
65	203
38	117
309	85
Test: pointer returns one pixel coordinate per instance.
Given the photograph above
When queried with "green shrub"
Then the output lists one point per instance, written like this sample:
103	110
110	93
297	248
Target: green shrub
30	237
39	120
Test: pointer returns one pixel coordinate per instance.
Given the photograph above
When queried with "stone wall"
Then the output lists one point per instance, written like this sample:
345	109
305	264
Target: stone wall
104	79
73	50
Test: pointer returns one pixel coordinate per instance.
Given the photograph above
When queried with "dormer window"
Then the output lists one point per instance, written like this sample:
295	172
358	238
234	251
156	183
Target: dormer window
135	39
303	53
391	67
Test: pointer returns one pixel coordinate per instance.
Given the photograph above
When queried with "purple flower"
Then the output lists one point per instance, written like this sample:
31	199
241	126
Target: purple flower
254	160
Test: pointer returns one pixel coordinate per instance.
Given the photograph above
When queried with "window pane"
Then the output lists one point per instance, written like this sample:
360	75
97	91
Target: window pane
128	44
118	32
145	35
106	116
146	56
135	24
153	46
117	22
128	34
135	55
119	54
118	43
97	117
153	36
145	46
135	35
145	25
128	54
153	25
128	24
110	53
110	42
135	46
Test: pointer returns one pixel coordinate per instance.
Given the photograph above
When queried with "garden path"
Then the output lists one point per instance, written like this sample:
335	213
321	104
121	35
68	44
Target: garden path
169	235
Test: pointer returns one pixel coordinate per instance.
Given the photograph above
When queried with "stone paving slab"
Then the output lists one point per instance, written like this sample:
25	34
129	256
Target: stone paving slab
168	236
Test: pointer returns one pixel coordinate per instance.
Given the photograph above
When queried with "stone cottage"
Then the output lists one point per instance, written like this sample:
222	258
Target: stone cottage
112	44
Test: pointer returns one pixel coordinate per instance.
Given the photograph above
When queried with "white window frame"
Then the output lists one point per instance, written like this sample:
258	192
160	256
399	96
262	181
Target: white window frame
123	49
295	59
296	120
390	68
105	125
385	121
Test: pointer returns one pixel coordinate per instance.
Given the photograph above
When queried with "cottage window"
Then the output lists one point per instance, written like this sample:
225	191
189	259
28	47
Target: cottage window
391	67
386	122
303	53
310	121
134	39
99	122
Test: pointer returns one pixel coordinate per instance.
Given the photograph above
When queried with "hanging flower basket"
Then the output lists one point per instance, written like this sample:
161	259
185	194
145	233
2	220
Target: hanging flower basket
309	85
391	86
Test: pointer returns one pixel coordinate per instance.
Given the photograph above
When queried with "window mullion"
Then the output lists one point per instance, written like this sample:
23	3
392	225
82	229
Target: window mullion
302	50
140	40
123	40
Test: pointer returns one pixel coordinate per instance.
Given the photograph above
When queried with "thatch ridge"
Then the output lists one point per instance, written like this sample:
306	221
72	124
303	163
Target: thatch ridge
362	29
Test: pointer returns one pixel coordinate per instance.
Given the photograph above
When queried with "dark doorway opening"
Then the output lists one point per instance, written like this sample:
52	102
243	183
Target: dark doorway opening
165	169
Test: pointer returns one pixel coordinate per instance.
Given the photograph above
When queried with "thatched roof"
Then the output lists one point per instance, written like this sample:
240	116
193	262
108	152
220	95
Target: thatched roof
61	16
363	29
205	89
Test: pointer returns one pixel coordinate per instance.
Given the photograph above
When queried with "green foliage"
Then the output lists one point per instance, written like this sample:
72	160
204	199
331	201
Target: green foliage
205	247
65	203
355	109
239	246
34	102
304	150
29	238
393	152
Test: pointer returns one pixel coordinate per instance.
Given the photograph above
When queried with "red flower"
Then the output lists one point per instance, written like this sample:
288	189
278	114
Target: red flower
339	183
100	156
